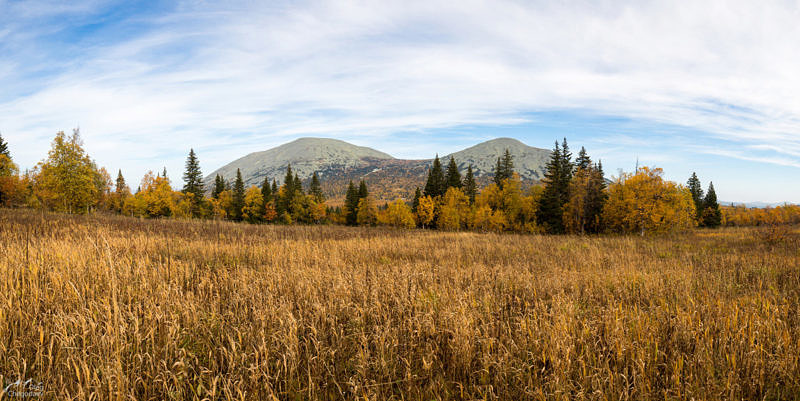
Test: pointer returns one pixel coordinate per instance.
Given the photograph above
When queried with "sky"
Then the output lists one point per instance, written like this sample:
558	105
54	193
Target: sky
706	86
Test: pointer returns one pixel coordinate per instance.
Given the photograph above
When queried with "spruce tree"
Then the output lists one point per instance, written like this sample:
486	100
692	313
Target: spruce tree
550	212
567	169
351	205
266	191
120	187
597	199
470	187
274	187
238	196
583	161
4	148
435	186
504	168
164	173
298	185
316	189
362	190
712	216
219	186
415	202
453	176
697	194
193	178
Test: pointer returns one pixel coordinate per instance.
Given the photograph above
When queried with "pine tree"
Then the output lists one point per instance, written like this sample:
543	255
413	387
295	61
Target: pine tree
567	169
351	205
316	189
597	199
288	180
120	187
219	186
435	185
415	202
193	178
697	194
274	187
4	148
453	176
712	216
164	173
470	187
238	196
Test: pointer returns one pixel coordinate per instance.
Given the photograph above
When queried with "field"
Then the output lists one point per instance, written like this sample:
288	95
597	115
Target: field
114	308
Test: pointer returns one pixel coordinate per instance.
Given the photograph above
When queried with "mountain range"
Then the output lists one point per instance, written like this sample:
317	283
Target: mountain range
337	162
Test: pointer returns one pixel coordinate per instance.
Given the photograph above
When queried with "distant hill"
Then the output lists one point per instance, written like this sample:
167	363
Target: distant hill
337	162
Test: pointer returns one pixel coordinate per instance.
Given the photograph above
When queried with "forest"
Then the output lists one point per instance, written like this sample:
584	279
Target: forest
574	197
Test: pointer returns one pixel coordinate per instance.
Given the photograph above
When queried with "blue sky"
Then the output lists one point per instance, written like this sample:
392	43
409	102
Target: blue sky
706	86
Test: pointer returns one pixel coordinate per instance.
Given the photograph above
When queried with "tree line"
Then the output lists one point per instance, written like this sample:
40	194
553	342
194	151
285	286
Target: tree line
573	197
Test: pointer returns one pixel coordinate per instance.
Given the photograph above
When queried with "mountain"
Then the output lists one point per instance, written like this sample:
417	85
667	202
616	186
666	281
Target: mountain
306	155
337	162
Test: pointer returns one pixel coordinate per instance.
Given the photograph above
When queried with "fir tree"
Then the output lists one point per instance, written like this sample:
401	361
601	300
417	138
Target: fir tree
164	173
567	169
288	181
351	205
193	178
470	187
4	148
712	216
697	194
219	186
597	197
435	185
120	187
238	196
453	176
316	189
415	202
274	187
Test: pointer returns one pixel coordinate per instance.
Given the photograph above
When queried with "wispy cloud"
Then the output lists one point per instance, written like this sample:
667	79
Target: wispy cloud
244	76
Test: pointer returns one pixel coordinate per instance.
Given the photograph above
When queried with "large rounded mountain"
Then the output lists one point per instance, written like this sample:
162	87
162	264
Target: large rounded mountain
338	162
306	155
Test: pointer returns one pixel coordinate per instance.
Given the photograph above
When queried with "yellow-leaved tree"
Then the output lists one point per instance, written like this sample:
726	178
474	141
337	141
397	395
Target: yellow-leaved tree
647	203
68	180
426	211
367	212
253	210
454	210
397	214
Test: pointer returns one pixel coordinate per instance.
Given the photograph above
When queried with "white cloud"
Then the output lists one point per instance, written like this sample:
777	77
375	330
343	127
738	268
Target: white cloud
251	75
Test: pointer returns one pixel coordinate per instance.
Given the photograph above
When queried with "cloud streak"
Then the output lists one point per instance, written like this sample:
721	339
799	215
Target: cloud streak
248	76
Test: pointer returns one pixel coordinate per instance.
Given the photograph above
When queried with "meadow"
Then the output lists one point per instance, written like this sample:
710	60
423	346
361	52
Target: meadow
118	308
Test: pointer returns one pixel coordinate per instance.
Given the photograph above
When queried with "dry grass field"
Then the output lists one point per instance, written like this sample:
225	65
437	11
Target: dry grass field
114	308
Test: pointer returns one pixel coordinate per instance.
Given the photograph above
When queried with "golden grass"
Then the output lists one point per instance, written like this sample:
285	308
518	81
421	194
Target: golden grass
116	308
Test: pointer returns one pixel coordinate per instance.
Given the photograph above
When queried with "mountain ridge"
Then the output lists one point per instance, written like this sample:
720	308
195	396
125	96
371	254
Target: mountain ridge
337	162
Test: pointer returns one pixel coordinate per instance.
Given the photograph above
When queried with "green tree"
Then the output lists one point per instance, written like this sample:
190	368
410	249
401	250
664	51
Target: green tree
435	185
4	148
219	186
453	176
193	177
266	191
504	168
583	161
470	187
315	189
238	197
362	190
557	176
697	194
415	202
351	205
712	216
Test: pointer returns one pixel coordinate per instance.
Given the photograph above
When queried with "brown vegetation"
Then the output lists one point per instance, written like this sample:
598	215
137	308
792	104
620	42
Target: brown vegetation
98	307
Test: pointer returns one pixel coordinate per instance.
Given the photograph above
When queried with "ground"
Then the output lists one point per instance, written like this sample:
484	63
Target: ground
118	308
